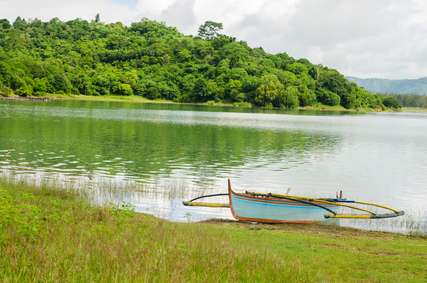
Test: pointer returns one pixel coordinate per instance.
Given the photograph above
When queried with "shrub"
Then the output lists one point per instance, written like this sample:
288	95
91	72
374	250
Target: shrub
390	101
306	98
327	97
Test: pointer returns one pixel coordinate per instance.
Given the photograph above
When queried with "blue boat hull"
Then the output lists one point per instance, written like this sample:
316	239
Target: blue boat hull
247	207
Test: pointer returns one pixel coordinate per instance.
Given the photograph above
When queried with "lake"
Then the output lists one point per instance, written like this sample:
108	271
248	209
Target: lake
153	156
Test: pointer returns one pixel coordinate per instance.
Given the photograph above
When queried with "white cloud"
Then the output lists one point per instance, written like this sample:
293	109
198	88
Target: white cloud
173	15
66	10
382	38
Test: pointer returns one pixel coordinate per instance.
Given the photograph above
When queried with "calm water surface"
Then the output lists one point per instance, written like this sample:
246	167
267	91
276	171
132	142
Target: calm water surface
154	156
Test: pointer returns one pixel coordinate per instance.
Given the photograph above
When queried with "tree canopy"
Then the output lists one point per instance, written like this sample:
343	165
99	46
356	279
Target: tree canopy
151	59
410	100
210	30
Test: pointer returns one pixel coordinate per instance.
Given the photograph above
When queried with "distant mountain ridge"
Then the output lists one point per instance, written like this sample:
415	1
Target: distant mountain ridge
405	86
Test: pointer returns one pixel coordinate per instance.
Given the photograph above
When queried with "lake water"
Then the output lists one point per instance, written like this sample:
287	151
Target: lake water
154	156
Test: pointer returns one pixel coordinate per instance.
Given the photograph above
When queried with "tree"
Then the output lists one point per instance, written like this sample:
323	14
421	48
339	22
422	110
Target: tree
209	30
184	55
335	82
297	68
123	89
97	18
4	24
19	23
40	86
307	97
201	91
327	97
25	90
233	91
411	100
392	102
268	89
349	100
286	98
236	53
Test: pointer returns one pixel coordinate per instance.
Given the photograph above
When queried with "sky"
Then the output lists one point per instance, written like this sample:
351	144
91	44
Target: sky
364	38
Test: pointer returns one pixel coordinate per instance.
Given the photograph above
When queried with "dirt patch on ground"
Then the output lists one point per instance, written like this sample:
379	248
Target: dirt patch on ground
314	228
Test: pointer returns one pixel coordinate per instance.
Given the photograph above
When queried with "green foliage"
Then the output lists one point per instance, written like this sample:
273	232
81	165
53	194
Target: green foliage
22	216
411	100
335	82
123	89
269	89
391	102
327	97
287	98
153	60
24	90
4	24
209	30
5	91
233	91
307	97
202	92
48	235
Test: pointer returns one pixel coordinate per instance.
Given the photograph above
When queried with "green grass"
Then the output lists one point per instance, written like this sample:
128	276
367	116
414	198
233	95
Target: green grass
118	98
140	99
106	98
336	108
414	109
54	236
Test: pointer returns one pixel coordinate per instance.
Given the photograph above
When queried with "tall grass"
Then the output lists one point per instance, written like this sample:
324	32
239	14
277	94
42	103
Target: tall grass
54	236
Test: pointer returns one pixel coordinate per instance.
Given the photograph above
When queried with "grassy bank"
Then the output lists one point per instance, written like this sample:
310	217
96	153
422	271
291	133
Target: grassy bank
414	109
119	98
48	235
139	99
336	108
105	98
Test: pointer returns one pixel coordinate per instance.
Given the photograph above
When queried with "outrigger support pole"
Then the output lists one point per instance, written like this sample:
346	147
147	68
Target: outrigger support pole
206	204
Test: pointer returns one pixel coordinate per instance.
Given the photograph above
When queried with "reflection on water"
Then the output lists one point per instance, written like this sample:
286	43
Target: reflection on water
154	156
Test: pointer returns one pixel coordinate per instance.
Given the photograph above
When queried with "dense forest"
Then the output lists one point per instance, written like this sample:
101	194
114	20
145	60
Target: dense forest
411	100
150	59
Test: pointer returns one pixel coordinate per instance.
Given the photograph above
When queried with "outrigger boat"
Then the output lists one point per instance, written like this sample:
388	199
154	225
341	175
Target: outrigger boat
285	208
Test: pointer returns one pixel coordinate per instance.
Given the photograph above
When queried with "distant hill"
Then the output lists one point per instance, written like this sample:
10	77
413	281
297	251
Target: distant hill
150	59
407	86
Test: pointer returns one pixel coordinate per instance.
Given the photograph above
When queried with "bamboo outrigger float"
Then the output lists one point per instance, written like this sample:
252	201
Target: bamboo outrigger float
284	208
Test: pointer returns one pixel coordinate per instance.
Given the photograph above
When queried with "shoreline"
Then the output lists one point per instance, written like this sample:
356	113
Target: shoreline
143	100
414	110
49	231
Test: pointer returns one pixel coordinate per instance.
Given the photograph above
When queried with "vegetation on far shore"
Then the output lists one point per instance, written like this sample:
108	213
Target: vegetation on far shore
155	61
139	99
411	100
55	236
414	109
